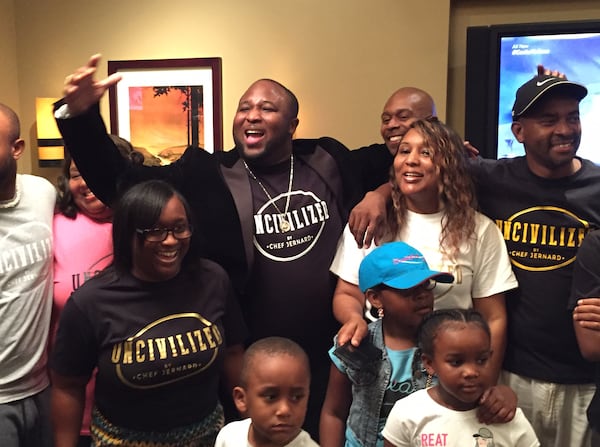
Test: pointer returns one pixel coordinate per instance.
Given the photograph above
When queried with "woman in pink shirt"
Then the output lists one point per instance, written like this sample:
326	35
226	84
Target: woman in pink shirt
82	230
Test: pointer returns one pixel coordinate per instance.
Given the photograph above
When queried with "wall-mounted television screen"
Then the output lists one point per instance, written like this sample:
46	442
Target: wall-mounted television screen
500	58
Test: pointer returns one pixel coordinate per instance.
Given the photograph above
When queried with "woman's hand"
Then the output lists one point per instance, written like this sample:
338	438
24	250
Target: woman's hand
354	330
497	405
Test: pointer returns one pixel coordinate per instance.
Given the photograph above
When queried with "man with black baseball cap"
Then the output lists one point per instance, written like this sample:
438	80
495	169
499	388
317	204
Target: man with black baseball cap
546	121
544	203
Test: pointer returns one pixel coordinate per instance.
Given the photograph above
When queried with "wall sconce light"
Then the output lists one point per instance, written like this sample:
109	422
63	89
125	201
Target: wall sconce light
51	151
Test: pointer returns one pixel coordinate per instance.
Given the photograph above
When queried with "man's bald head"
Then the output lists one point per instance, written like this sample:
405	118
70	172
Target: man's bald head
403	107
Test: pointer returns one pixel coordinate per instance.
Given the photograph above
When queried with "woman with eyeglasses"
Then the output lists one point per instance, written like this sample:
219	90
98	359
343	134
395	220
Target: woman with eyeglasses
160	328
82	235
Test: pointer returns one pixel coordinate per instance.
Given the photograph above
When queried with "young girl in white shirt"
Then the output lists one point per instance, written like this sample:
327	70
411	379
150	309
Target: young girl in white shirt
455	346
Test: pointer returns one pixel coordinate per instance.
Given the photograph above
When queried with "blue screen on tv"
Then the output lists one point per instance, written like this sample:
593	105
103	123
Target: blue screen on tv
577	55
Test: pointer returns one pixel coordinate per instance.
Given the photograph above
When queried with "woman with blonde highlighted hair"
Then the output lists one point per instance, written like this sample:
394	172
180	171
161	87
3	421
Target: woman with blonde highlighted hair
455	189
433	209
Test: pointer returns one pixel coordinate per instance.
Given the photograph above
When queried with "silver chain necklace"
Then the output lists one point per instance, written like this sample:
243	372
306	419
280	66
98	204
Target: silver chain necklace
284	224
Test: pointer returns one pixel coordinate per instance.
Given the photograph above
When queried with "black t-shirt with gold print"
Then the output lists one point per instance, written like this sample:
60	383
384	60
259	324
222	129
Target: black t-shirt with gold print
158	346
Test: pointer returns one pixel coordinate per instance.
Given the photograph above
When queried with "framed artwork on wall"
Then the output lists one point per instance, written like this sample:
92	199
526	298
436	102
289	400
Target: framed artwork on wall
163	106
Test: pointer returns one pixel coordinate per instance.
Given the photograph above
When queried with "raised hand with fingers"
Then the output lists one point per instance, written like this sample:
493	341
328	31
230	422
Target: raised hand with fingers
541	71
81	90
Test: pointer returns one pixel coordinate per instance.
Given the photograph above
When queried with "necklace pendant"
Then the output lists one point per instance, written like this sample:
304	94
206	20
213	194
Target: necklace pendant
284	225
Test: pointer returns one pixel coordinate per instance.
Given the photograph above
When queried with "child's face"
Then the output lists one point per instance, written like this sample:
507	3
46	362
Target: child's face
461	360
275	398
404	308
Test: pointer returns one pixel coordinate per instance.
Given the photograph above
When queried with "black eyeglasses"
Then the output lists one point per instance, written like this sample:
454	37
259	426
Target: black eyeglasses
160	234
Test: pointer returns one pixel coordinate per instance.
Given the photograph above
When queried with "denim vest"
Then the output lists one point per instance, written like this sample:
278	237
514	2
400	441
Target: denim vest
369	383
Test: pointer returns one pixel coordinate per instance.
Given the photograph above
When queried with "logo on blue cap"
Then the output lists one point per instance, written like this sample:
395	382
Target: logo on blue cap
397	265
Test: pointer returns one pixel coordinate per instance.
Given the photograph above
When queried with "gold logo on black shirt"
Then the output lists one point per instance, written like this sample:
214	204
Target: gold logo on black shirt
543	238
157	354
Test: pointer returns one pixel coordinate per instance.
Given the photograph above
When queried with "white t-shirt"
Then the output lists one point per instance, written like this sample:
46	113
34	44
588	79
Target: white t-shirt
25	287
235	434
419	420
482	268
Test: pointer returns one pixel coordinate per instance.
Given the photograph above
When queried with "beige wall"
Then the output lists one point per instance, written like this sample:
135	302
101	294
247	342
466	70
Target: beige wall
9	79
341	57
466	13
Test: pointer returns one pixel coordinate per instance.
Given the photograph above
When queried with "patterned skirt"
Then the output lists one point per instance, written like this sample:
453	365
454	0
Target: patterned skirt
202	434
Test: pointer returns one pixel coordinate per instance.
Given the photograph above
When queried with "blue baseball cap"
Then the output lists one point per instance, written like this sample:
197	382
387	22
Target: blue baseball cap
397	265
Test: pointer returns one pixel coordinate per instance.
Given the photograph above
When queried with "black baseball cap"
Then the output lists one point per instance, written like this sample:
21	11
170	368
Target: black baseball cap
534	89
